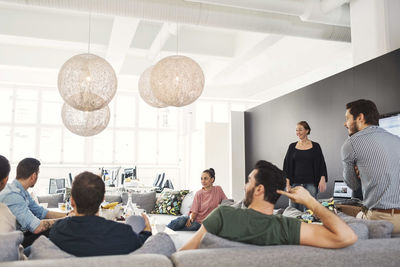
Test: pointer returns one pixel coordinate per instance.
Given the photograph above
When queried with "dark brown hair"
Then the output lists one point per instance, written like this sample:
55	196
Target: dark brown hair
272	178
210	172
88	192
4	167
366	107
27	167
305	125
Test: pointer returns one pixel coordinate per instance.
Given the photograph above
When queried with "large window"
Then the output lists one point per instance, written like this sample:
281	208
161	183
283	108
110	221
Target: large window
156	140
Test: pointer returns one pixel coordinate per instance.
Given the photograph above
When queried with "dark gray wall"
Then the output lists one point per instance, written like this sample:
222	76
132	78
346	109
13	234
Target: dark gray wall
270	127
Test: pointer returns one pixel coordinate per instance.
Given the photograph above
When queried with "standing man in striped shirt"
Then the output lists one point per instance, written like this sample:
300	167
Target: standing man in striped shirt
371	159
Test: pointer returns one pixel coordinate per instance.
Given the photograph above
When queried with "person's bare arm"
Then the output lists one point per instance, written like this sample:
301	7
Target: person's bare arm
191	219
146	223
194	242
334	233
287	184
55	215
44	225
322	184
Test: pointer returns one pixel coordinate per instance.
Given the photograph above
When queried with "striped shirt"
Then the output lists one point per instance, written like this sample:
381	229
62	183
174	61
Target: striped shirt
376	153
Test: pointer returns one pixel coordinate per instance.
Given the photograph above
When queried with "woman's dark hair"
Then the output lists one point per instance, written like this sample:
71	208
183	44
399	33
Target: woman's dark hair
210	172
27	167
366	107
88	192
305	125
4	167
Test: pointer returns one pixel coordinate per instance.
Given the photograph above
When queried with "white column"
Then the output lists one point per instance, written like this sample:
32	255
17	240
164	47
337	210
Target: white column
238	167
375	28
217	153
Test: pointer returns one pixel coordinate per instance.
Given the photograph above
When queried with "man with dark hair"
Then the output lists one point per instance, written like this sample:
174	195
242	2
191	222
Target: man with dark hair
32	219
257	225
87	234
7	219
371	160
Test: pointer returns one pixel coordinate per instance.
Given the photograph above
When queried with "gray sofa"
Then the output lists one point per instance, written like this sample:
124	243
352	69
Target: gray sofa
374	247
371	252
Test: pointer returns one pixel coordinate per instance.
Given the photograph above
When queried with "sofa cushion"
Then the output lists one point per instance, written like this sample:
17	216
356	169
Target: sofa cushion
376	228
145	201
136	222
160	243
187	203
227	202
52	200
292	212
170	202
113	198
360	229
9	245
239	204
43	248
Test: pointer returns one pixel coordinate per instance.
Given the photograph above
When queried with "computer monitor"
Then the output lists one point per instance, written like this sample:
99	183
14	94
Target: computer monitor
56	185
391	122
130	173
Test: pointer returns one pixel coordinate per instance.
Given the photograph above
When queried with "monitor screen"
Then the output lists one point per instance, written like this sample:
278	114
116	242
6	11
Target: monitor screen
391	123
341	190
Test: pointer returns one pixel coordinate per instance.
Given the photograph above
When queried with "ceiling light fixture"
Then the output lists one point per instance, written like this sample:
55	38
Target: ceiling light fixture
85	123
146	92
177	80
87	82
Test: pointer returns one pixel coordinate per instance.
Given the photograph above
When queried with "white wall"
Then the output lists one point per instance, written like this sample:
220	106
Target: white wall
217	154
375	28
238	168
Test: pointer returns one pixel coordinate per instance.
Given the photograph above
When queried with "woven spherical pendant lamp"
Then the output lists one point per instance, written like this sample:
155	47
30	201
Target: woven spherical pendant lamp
87	82
85	123
145	91
177	80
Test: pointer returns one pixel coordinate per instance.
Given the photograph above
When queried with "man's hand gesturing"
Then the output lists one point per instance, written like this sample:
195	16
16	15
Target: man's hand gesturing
297	194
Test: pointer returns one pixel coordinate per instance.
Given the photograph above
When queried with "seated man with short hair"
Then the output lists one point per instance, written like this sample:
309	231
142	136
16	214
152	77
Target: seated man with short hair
257	225
87	234
32	219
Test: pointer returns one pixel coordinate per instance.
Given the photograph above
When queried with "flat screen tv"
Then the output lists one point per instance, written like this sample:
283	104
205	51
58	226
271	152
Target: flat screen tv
391	122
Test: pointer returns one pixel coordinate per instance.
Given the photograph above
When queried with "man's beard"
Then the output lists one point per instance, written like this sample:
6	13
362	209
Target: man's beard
353	129
249	197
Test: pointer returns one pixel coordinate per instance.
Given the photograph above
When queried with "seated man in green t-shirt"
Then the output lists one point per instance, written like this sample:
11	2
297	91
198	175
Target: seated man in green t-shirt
257	224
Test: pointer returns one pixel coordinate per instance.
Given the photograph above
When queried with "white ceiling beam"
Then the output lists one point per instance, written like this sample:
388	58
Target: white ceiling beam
166	31
246	57
48	43
122	33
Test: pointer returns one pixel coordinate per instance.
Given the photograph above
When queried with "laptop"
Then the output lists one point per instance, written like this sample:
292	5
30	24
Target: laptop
341	191
342	194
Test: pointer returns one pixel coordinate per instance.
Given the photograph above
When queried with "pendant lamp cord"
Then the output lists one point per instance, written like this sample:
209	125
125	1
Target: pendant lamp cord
90	24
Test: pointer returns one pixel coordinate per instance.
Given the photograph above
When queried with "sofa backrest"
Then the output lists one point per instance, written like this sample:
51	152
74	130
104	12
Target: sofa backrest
371	252
150	260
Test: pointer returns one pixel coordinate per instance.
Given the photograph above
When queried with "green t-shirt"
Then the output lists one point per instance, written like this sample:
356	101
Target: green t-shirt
253	227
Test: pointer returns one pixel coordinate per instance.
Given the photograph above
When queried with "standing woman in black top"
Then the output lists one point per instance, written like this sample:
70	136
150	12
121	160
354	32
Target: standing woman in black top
304	164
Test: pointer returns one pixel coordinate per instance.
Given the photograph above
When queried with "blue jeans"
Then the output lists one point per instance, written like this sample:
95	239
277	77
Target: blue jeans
310	188
179	224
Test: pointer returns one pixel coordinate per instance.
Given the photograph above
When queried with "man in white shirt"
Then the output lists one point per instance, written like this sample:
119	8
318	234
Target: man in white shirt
7	219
